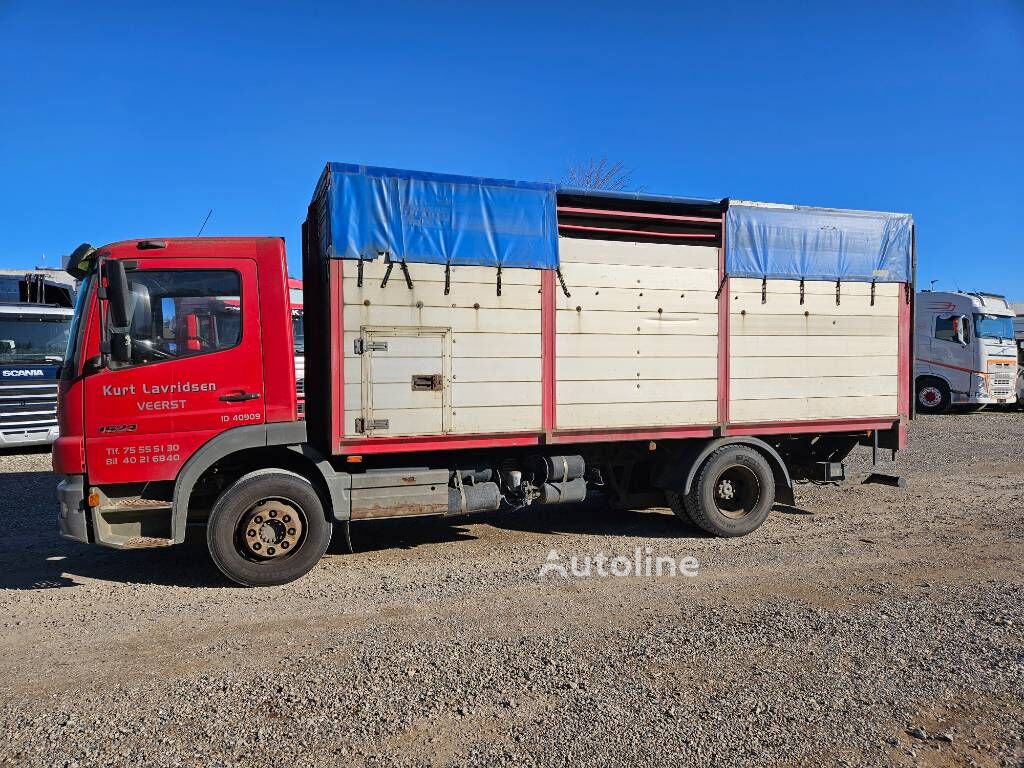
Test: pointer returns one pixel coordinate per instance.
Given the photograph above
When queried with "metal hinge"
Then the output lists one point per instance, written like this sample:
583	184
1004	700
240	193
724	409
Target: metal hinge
363	426
361	345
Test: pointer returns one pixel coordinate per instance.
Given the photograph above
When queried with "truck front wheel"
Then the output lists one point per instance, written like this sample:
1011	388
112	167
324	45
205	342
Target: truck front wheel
732	493
268	527
933	396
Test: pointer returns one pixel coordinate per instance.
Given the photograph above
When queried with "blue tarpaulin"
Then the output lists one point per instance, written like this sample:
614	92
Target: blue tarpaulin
437	218
794	243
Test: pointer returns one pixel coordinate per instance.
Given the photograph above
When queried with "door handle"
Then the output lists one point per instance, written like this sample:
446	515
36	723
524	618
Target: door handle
240	397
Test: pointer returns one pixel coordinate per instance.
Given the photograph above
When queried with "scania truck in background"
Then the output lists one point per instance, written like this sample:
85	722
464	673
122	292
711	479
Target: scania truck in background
35	317
965	352
473	345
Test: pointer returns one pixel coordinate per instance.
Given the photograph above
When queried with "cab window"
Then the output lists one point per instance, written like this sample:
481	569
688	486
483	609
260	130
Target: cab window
182	313
947	328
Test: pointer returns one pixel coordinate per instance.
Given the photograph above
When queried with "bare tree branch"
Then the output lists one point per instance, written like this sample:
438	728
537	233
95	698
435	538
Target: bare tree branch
598	173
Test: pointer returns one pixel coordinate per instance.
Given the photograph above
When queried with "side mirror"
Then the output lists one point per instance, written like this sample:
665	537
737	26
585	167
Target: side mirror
117	295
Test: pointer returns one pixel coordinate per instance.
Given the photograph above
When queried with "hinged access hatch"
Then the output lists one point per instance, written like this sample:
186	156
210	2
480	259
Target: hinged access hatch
406	381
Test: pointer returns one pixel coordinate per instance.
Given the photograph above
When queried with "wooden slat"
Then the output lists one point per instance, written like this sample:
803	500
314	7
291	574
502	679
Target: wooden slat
633	323
798	367
637	299
575	250
812	346
814	287
637	345
413	421
650	393
625	276
374	272
491	345
816	305
789	388
635	367
431	294
790	325
512	418
510	321
496	369
608	416
792	409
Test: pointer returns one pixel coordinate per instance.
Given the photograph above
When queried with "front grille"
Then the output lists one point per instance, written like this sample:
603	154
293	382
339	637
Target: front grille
1002	386
28	406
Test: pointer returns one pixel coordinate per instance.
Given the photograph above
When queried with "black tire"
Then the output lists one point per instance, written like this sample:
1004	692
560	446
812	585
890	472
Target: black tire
933	396
275	511
732	494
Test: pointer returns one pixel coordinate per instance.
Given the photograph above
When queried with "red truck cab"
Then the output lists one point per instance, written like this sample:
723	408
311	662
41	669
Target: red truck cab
211	350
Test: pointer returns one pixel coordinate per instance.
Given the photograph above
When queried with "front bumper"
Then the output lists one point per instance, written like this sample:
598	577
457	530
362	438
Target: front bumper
72	522
13	438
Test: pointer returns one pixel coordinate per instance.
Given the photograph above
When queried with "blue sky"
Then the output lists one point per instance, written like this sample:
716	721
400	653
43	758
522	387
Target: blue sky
134	119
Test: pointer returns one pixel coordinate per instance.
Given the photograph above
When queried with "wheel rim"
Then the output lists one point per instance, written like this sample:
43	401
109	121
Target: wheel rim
929	397
271	529
737	491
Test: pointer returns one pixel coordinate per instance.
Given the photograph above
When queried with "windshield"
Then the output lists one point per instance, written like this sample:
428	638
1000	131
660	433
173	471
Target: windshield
993	327
297	333
33	338
75	331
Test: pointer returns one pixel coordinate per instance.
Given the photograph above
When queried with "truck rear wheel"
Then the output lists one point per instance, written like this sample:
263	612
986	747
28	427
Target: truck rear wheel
268	527
732	493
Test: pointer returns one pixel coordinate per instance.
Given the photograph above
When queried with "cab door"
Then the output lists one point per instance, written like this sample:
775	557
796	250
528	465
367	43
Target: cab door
196	369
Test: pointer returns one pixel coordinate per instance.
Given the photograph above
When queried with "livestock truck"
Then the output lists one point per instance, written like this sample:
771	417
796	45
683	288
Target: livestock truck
473	345
965	351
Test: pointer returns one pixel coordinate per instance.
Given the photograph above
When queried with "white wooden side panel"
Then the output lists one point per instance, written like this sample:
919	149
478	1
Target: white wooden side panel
495	383
636	341
817	360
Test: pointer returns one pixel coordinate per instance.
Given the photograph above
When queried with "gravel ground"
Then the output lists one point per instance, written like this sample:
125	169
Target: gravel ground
869	626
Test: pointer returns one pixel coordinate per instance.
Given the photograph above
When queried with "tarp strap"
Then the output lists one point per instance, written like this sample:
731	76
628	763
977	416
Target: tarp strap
558	271
721	285
764	290
872	293
359	273
447	277
405	271
499	279
387	274
801	291
906	291
839	284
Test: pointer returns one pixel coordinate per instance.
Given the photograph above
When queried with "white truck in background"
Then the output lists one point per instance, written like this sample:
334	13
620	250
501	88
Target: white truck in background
1018	332
965	351
35	321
